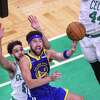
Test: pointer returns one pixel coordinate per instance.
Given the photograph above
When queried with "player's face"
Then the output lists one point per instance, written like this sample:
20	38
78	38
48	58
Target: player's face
36	45
18	52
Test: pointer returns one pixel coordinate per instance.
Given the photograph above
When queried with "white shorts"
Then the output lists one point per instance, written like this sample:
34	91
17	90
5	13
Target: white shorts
91	48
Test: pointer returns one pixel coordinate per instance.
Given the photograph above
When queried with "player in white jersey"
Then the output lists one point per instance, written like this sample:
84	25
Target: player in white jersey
18	85
90	44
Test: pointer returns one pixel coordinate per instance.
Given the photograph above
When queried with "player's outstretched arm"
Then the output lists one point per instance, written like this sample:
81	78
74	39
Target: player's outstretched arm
62	55
6	64
35	25
33	83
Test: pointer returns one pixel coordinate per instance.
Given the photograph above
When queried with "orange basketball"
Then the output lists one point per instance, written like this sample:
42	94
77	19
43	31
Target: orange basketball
76	31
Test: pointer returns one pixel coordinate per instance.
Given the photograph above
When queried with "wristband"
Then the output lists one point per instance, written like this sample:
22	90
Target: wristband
65	54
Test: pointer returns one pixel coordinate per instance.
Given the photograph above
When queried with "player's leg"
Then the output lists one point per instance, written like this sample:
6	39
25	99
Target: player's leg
92	59
64	94
72	96
88	47
96	68
96	65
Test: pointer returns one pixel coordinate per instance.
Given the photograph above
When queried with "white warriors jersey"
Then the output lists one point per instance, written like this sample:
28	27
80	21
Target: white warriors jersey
90	15
18	86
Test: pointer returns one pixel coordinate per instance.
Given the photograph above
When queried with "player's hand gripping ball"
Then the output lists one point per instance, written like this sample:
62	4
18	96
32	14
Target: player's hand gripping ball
75	31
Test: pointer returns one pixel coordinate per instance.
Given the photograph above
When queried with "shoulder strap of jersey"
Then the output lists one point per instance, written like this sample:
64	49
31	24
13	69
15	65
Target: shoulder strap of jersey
29	59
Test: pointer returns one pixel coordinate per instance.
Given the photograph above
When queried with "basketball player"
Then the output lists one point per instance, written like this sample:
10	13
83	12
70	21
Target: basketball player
15	48
35	69
90	44
17	83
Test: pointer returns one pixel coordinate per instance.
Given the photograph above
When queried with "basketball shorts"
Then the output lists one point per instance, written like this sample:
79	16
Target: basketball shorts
91	48
52	93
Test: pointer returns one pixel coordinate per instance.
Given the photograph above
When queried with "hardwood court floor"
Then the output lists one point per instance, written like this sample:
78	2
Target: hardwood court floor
53	15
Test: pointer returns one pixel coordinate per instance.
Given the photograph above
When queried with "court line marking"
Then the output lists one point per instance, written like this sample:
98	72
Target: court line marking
5	84
67	61
53	66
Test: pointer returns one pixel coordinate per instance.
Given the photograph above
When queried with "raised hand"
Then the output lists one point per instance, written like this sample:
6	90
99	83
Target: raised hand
35	25
55	76
1	31
34	22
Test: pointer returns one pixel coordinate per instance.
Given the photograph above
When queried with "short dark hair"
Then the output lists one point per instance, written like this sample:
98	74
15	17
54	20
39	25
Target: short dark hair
12	44
32	33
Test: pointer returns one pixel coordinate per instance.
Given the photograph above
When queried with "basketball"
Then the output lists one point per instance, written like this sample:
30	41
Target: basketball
75	31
